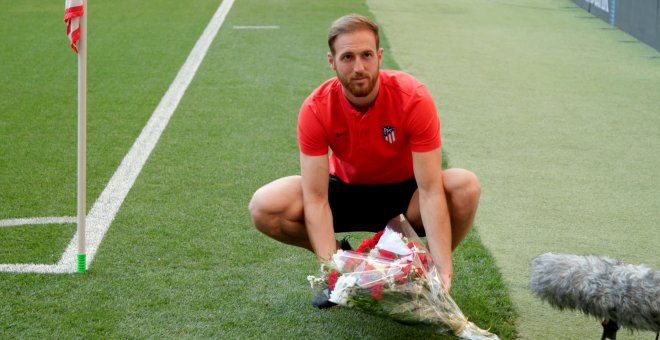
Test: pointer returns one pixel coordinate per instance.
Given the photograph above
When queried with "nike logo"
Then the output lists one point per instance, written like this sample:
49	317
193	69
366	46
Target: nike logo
339	134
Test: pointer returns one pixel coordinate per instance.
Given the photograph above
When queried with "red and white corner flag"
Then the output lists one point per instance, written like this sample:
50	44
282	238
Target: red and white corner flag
76	28
73	10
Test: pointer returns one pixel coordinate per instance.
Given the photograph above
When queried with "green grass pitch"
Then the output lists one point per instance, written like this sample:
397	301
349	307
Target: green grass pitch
181	259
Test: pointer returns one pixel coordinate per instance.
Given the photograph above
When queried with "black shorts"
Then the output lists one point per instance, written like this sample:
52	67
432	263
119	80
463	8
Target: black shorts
360	207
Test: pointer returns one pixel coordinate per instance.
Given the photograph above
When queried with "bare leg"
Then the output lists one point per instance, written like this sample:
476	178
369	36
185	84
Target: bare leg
277	211
462	190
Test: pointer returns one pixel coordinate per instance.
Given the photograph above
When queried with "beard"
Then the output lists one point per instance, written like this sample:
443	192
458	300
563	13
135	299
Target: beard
361	89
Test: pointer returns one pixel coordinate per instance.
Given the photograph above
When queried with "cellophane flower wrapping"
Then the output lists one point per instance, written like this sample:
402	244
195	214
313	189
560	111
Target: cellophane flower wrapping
392	275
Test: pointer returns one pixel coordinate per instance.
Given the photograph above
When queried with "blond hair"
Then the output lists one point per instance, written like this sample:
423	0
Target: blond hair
351	23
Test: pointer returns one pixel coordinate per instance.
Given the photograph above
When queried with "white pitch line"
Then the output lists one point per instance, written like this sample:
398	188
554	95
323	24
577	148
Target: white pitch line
106	206
255	27
37	220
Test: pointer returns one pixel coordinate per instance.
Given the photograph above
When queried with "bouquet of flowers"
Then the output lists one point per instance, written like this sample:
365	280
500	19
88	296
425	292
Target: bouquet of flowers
392	275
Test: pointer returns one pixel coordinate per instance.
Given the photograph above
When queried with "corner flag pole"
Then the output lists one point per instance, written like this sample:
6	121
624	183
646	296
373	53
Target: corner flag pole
82	140
75	16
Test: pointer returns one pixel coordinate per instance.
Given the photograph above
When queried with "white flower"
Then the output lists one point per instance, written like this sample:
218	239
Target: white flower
339	259
314	280
342	290
393	242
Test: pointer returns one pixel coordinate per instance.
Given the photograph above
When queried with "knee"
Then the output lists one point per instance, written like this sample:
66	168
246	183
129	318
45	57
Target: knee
276	205
472	185
256	207
462	185
270	208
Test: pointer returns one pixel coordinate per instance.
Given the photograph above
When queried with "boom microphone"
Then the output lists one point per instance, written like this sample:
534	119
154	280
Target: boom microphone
599	286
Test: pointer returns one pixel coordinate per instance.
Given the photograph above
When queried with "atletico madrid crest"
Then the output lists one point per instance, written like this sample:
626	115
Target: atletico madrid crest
388	134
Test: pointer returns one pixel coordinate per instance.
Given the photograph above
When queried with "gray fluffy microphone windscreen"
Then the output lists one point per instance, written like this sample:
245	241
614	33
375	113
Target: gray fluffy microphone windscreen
599	286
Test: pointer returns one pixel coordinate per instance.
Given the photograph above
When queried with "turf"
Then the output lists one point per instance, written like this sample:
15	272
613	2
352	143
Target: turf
34	243
181	259
558	117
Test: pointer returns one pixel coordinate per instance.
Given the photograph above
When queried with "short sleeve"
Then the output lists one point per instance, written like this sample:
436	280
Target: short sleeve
423	122
312	139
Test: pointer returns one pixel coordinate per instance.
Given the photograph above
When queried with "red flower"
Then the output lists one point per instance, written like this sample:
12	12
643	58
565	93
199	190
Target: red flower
415	245
376	237
424	259
365	246
332	279
401	277
369	243
387	254
419	270
406	269
377	291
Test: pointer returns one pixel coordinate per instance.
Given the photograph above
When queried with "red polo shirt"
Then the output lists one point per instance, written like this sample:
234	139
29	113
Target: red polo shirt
374	147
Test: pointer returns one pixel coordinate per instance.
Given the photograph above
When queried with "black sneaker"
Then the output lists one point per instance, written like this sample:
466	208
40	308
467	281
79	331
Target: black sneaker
344	245
322	299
